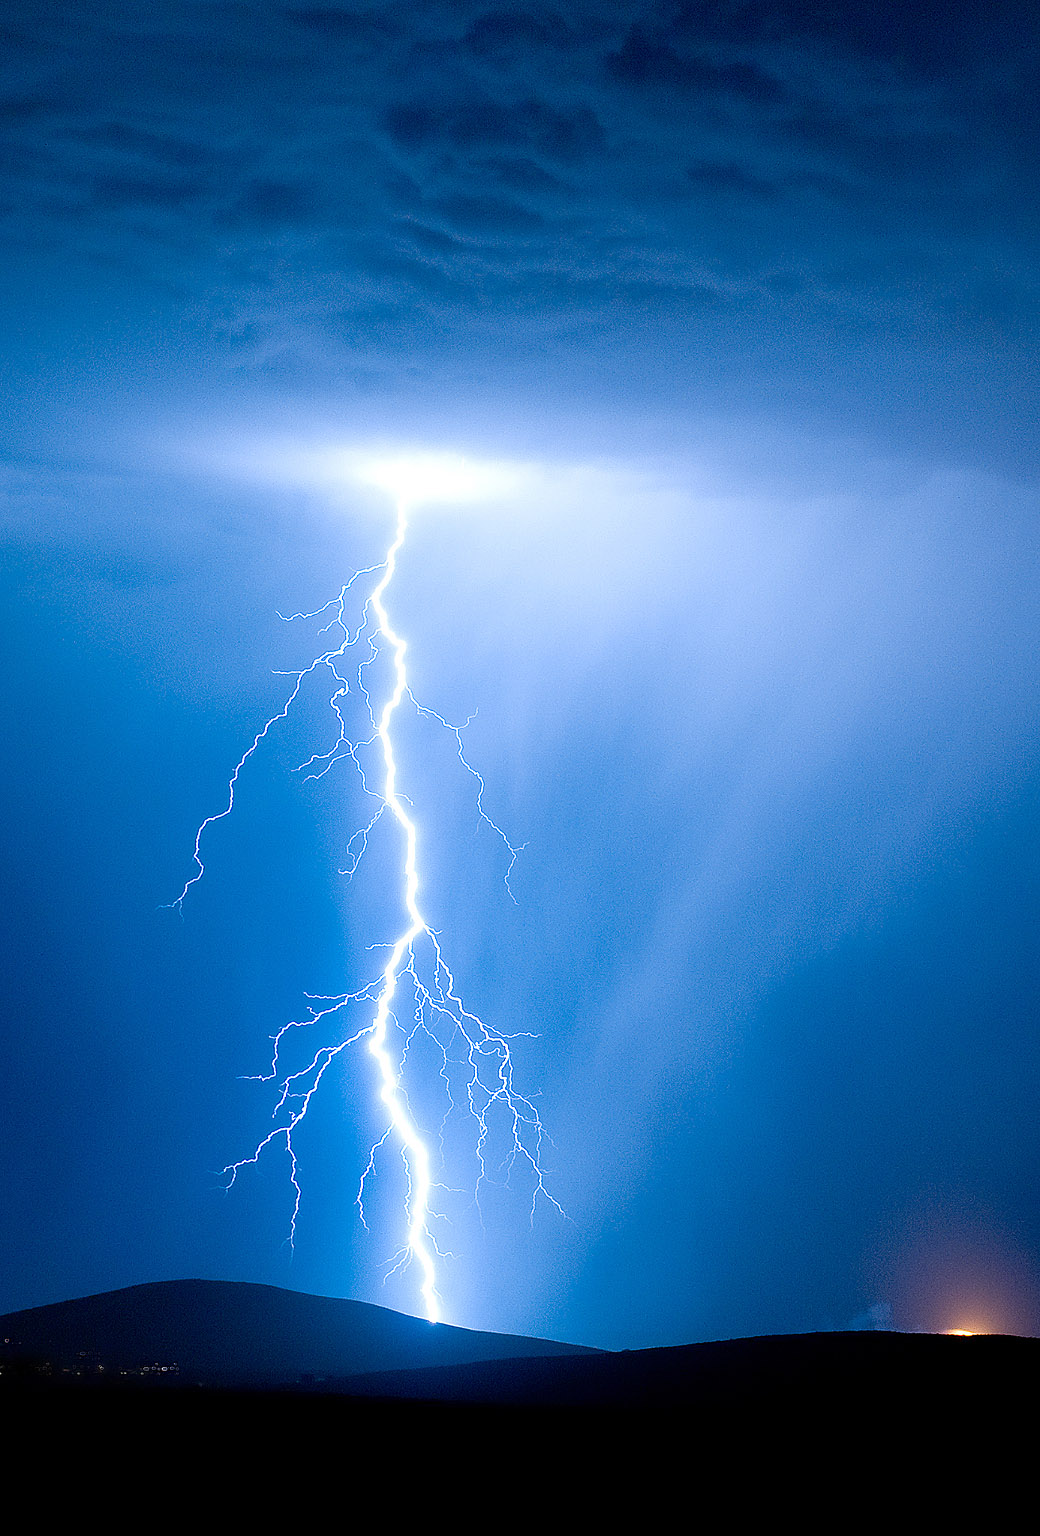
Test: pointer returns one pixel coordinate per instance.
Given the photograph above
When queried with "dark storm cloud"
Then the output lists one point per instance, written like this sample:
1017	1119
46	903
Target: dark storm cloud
488	215
268	203
508	35
929	38
643	61
337	26
482	124
721	178
125	139
820	171
164	192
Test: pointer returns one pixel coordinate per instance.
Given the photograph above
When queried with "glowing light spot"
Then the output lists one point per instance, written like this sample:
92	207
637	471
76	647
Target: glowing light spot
960	1333
414	479
475	1061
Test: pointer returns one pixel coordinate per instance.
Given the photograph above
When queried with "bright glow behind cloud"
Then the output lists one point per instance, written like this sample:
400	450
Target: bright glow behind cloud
410	476
417	479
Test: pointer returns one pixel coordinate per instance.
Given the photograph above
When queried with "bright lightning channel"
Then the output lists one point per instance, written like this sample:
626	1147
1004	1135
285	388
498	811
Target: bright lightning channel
476	1056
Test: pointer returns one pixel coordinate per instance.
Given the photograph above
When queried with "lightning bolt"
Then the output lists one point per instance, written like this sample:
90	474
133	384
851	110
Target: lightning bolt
476	1060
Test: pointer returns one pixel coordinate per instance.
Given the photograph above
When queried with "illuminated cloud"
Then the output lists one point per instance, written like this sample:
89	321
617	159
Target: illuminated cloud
717	196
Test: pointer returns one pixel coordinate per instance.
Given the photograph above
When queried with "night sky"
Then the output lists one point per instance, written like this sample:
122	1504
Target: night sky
746	296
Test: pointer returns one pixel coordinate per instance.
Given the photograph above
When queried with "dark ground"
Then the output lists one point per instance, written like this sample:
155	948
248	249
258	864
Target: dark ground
825	1431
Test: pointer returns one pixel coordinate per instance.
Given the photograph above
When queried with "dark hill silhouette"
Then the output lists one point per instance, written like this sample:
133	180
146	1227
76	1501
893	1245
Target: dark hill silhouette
828	1432
222	1333
776	1371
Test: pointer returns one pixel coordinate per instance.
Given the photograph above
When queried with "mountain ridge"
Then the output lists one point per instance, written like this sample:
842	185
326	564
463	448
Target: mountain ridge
237	1333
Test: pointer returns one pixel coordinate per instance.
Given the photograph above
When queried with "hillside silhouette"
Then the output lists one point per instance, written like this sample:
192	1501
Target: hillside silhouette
222	1333
774	1373
284	1404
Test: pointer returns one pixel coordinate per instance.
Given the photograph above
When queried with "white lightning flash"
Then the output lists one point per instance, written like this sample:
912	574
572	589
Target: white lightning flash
476	1064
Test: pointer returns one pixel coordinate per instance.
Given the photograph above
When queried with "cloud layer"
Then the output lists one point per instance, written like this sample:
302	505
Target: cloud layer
332	186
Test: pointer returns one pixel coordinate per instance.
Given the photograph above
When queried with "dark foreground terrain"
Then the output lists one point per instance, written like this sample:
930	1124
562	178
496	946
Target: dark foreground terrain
224	1333
830	1432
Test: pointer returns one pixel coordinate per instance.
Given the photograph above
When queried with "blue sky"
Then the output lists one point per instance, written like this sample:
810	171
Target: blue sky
748	292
